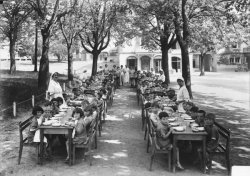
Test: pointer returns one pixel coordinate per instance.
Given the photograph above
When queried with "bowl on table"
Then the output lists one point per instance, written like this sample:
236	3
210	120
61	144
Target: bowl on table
179	128
193	125
173	124
201	128
47	123
171	119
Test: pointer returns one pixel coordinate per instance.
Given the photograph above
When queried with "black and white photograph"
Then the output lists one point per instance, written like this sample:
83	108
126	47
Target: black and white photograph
124	87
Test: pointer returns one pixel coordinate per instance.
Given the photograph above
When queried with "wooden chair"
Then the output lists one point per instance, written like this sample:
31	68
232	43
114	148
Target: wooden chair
155	149
223	148
24	140
88	144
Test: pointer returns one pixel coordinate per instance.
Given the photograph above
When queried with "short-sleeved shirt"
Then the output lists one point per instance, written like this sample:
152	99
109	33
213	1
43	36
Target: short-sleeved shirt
212	134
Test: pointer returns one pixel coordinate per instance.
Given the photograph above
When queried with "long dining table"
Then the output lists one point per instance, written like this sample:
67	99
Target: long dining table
189	135
67	130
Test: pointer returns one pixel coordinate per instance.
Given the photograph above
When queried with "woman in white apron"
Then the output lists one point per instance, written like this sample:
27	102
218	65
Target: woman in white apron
183	95
54	88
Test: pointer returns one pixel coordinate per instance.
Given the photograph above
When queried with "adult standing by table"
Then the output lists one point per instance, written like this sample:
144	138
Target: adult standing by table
183	95
54	88
161	77
126	76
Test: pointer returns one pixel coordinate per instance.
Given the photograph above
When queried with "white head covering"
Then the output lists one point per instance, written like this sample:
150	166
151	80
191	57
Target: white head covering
180	78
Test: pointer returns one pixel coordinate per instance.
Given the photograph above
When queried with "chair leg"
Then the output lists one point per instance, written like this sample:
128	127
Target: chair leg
99	128
228	163
74	155
20	153
209	163
169	160
148	145
90	158
146	131
151	161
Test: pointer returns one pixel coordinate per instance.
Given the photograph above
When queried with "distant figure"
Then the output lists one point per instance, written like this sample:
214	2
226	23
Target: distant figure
161	77
122	75
106	69
152	71
126	76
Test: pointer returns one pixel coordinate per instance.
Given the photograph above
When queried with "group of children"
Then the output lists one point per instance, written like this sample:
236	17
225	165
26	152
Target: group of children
81	119
159	115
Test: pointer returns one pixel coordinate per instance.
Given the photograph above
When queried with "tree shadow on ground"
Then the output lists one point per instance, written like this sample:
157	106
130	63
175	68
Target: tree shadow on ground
236	119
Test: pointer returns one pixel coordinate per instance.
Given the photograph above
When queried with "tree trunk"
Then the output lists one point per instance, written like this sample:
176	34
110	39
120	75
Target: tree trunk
94	66
202	68
164	51
12	56
70	64
186	68
35	58
43	77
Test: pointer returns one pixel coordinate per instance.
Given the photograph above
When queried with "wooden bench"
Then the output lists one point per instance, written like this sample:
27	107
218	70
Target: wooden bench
24	140
223	148
91	139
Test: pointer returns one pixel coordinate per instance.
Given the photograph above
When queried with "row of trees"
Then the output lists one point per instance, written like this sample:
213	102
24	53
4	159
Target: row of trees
198	24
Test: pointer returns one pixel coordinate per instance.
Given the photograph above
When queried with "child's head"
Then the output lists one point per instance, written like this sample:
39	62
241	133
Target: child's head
209	119
201	113
76	91
60	101
85	103
37	111
163	115
88	110
194	109
164	85
54	102
77	113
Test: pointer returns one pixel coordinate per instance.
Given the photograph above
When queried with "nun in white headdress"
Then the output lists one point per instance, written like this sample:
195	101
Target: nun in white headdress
54	88
183	95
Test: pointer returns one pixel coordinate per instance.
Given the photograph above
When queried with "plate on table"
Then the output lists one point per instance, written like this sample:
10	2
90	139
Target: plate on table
47	123
57	115
54	118
56	124
194	129
194	125
62	110
173	124
201	128
190	121
180	128
171	119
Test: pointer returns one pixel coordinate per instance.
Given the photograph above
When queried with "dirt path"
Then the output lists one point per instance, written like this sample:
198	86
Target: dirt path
121	149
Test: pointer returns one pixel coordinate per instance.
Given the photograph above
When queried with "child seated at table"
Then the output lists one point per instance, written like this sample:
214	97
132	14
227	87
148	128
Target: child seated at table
36	121
54	106
80	132
76	92
163	132
200	115
193	112
212	136
84	104
47	111
61	103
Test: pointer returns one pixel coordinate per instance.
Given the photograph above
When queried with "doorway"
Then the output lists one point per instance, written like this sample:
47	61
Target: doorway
145	63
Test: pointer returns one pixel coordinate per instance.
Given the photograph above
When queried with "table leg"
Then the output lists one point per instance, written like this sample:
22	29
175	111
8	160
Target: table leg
41	146
174	153
204	154
70	146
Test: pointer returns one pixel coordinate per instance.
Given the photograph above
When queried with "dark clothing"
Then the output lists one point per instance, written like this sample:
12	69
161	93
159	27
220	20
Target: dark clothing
212	137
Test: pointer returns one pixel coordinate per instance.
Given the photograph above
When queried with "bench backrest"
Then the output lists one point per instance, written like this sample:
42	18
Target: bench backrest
22	126
225	134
